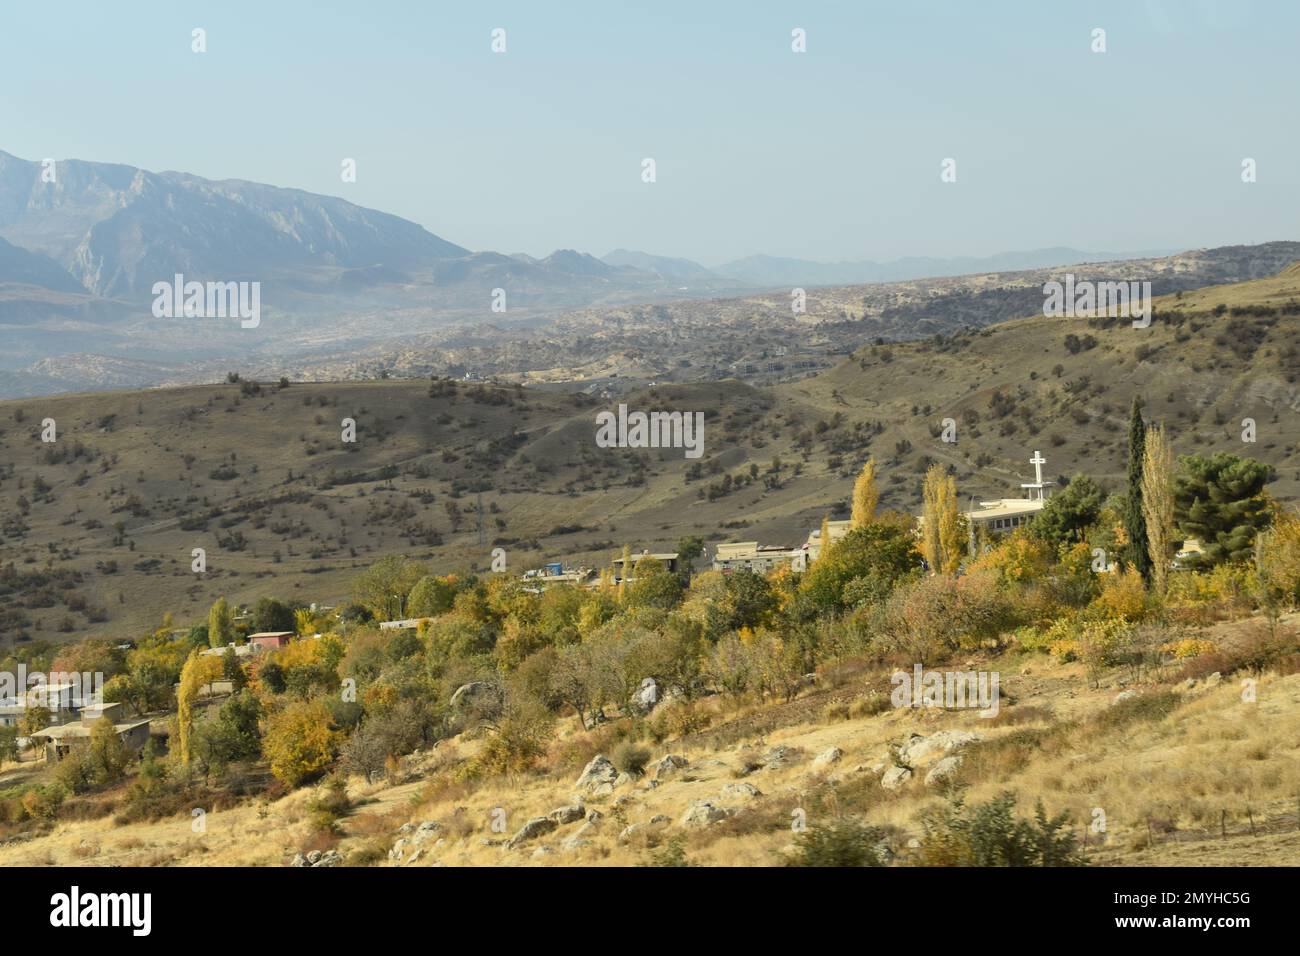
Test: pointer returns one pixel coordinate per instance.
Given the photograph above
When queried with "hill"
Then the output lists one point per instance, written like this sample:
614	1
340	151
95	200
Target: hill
98	527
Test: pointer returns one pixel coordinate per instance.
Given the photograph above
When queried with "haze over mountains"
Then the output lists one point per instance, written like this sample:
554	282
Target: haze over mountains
350	291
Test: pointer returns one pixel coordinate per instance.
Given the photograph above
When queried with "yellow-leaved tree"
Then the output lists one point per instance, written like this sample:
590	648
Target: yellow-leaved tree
199	669
1158	503
866	496
941	537
300	741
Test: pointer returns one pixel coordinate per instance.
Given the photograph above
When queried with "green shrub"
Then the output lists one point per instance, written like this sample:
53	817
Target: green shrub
843	843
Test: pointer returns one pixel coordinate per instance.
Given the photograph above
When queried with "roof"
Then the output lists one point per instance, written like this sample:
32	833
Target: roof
665	556
76	731
1006	507
252	637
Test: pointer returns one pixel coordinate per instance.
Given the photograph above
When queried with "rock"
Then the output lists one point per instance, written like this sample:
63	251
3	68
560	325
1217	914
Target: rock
943	769
778	757
314	857
594	815
299	860
629	831
534	828
1214	680
740	791
542	852
598	777
659	819
329	858
581	836
425	830
668	765
1123	696
1188	684
414	856
399	850
477	699
570	814
646	697
917	748
702	813
406	828
895	777
622	780
827	757
914	844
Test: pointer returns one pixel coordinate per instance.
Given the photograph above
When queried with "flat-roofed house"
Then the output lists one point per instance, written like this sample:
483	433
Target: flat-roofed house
270	640
751	556
60	740
668	559
813	546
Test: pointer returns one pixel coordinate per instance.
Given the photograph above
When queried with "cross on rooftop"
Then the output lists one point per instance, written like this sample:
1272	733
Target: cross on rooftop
1038	461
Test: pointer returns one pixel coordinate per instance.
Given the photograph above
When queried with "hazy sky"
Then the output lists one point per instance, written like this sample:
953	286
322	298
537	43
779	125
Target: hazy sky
834	153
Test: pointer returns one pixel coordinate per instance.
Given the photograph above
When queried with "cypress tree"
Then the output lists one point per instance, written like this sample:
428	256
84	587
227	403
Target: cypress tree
1135	524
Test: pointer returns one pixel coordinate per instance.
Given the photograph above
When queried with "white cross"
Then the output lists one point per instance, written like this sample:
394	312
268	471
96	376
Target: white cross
1038	461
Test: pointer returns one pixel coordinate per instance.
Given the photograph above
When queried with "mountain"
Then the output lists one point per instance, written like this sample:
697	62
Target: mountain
665	266
20	267
777	271
117	229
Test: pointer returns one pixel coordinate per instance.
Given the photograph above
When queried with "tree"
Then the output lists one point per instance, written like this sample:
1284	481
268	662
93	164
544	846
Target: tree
1158	503
431	596
8	745
384	586
272	615
941	524
220	630
300	741
1135	527
199	670
880	553
825	538
1220	501
1069	513
688	549
108	756
866	496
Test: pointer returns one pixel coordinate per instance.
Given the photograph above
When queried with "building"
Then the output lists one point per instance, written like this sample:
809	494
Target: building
60	740
241	650
1007	514
751	556
667	559
270	640
406	624
541	578
813	546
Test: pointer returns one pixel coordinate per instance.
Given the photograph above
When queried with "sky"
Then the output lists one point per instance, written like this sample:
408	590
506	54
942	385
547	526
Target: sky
835	153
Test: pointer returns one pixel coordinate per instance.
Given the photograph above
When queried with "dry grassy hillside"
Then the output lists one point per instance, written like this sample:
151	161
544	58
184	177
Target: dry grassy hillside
98	527
1186	771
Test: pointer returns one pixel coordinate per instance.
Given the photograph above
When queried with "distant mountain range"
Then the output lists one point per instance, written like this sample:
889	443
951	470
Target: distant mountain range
81	250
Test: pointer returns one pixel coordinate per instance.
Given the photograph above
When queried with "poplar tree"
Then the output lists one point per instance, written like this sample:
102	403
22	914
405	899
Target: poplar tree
1135	526
219	629
1158	503
866	496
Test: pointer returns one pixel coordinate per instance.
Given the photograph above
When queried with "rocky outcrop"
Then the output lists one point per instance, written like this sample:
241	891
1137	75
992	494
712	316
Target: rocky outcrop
537	826
599	777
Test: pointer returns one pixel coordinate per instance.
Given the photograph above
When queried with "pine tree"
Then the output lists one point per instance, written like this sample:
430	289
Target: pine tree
866	496
1135	526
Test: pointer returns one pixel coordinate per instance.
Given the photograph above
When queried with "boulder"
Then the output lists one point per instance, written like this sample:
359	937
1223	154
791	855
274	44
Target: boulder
568	814
702	813
827	757
779	757
895	777
580	837
740	791
299	860
598	777
537	826
917	748
1123	696
943	769
668	765
425	831
646	697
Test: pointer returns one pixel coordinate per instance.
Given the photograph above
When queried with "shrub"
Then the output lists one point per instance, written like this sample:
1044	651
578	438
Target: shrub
841	844
990	835
631	758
